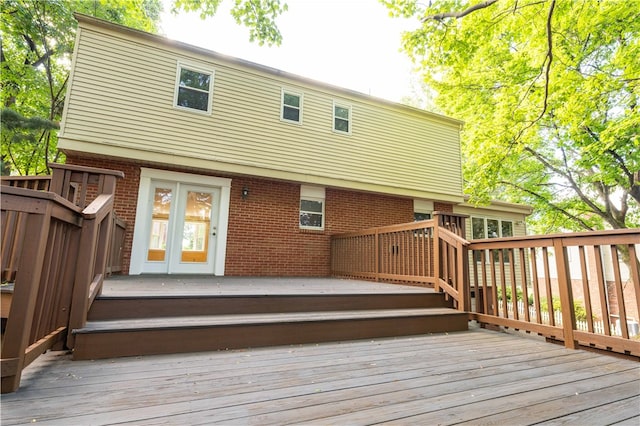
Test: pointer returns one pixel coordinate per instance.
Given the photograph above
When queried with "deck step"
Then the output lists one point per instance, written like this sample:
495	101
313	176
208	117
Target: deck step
128	325
162	335
123	307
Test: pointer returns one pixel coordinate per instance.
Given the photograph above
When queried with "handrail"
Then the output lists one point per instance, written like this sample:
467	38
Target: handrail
408	253
527	283
43	224
55	247
579	288
92	260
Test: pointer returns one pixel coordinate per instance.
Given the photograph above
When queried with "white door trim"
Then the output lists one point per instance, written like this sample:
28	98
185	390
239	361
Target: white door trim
141	230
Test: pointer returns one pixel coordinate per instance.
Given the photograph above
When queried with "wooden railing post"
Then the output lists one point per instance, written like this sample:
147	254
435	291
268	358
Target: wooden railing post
377	254
436	257
566	293
92	260
19	323
462	275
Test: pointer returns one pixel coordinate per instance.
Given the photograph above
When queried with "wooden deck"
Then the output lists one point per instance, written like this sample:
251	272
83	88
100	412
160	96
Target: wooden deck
476	377
171	285
153	315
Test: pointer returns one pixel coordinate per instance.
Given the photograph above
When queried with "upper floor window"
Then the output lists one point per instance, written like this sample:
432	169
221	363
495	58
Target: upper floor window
291	106
342	118
312	207
193	88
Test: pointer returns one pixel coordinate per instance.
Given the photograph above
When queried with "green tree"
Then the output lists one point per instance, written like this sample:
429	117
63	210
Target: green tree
549	93
259	16
37	43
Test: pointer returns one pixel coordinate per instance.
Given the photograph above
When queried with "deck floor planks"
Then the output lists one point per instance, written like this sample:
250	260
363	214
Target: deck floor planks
606	413
286	358
174	388
339	392
289	357
235	387
405	399
516	401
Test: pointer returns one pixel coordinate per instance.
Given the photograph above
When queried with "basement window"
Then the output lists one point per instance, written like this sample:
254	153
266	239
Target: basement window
312	207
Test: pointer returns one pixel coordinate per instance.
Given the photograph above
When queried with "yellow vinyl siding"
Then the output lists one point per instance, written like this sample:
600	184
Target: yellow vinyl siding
122	95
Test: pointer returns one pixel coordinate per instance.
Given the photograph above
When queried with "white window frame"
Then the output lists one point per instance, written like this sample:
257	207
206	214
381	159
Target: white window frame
349	120
422	207
486	235
199	69
486	228
282	105
312	193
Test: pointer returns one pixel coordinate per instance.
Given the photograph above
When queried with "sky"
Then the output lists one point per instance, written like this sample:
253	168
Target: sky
352	44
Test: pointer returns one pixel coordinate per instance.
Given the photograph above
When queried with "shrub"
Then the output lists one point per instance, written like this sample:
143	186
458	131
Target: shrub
578	307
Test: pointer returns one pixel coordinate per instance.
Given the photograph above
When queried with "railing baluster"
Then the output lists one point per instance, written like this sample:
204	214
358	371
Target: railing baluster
566	294
619	292
602	290
585	288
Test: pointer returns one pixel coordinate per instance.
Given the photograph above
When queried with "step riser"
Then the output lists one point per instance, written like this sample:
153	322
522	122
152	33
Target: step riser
145	307
165	341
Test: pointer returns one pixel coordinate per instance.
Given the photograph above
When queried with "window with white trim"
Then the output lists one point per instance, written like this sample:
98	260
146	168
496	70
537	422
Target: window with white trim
194	87
341	118
482	228
291	110
422	210
312	207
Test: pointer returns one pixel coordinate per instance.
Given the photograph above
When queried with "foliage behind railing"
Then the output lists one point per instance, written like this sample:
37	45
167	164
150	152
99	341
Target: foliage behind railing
55	252
593	275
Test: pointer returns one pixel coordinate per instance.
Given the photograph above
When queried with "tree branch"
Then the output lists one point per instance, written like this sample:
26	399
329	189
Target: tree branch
548	60
574	185
550	204
457	15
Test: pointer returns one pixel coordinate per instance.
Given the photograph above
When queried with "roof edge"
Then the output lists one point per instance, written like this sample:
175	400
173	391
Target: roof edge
101	23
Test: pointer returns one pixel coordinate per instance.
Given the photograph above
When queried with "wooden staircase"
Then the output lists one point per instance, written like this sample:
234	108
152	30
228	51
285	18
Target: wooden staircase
134	325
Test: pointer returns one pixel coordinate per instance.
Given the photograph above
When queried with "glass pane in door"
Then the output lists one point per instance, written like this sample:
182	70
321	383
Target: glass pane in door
159	224
197	223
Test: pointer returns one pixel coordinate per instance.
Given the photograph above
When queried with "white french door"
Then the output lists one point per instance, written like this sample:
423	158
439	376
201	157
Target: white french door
178	228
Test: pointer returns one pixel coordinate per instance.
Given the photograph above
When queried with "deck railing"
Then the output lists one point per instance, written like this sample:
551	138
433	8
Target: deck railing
582	289
54	251
418	252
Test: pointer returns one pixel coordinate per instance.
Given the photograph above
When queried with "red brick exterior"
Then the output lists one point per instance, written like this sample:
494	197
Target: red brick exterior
264	238
442	207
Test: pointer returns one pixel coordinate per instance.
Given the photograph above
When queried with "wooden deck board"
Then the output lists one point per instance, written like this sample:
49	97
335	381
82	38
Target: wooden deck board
477	376
215	320
170	285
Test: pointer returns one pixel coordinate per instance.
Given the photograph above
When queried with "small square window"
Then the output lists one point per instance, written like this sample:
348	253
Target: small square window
291	107
193	89
342	118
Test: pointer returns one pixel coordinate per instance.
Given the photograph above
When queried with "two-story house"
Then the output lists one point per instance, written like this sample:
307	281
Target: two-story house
234	168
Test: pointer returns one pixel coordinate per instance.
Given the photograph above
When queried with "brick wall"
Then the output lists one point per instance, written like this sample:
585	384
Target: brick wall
264	238
443	207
